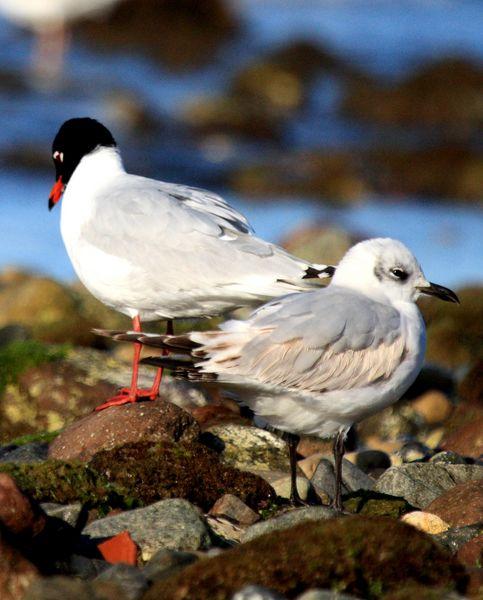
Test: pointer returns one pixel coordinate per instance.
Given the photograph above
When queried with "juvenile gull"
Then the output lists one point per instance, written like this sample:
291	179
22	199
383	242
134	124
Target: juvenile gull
155	250
316	363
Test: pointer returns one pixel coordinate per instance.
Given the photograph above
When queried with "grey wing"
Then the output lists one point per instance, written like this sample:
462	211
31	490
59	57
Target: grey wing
318	341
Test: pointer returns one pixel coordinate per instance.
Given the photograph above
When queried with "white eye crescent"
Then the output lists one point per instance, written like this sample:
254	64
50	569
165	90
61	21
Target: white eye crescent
58	156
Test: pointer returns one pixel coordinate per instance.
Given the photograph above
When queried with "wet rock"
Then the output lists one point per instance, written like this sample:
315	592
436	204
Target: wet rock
333	176
191	471
421	483
232	507
353	478
251	448
456	537
289	519
146	421
16	572
190	32
165	563
454	336
443	94
291	562
256	592
28	453
425	521
173	523
460	505
470	390
69	513
448	457
129	579
60	587
434	406
18	514
470	554
466	440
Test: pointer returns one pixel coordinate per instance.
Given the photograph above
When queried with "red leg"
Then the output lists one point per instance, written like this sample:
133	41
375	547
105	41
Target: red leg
133	393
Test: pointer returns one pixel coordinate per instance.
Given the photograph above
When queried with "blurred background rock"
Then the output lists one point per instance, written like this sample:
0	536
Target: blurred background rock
325	122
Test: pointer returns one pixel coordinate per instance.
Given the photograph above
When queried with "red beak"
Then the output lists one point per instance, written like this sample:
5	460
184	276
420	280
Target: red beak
56	193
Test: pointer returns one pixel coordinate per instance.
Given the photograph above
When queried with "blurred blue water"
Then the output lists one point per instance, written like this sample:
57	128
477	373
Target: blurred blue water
387	37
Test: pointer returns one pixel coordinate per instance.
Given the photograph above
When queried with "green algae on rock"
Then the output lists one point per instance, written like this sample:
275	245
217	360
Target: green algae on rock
179	470
367	557
376	504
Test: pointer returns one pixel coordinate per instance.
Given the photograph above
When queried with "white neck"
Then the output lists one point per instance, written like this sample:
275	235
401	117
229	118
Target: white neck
97	167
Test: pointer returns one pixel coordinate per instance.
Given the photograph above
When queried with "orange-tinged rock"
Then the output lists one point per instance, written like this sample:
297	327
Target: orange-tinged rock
119	549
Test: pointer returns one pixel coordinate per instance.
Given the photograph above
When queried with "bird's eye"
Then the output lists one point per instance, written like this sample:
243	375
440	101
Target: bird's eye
58	156
399	274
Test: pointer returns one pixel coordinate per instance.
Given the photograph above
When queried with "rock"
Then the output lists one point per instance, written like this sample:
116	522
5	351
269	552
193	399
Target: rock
324	595
467	440
471	553
395	422
291	562
289	519
434	406
232	507
173	523
425	521
60	588
13	333
421	483
34	452
375	504
372	461
310	445
283	485
470	390
18	514
414	451
151	472
256	592
251	448
456	537
454	336
69	513
353	478
448	457
474	589
225	532
16	572
217	414
131	581
146	421
76	565
309	465
165	563
461	504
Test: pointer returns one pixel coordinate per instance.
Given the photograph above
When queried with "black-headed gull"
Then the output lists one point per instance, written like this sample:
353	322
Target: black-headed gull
317	363
155	250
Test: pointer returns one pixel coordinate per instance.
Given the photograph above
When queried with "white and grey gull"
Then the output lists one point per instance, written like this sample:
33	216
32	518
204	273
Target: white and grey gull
156	250
316	363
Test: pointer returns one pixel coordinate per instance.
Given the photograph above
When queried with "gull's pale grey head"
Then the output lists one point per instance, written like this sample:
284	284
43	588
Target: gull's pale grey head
383	267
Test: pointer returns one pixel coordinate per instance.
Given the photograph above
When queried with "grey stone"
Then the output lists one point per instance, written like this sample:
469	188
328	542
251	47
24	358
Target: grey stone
250	448
34	452
256	592
80	566
130	579
353	478
67	512
165	563
172	523
454	538
421	483
448	457
288	519
316	594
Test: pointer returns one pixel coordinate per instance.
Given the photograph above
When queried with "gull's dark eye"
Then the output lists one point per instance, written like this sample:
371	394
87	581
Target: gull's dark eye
399	274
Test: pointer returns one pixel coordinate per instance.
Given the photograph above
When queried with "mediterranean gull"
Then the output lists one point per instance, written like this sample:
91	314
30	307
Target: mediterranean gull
316	363
155	250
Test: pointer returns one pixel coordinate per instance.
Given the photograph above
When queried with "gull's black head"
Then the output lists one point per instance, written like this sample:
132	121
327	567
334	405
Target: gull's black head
75	139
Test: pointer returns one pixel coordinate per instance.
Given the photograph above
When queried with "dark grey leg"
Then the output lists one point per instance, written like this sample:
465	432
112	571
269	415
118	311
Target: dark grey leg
292	441
338	454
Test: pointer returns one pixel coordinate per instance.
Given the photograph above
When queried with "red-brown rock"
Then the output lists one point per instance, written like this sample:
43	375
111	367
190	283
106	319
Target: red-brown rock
466	440
460	505
470	389
474	587
16	572
216	414
232	507
471	554
143	421
18	515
